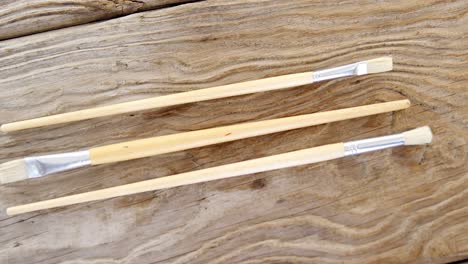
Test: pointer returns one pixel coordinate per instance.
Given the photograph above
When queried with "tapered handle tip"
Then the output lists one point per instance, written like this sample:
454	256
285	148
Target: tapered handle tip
10	212
4	128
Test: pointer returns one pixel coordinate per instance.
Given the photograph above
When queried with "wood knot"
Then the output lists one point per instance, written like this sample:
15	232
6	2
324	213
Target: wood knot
280	201
258	184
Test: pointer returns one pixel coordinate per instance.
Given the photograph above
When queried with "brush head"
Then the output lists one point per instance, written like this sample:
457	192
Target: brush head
418	136
382	64
13	171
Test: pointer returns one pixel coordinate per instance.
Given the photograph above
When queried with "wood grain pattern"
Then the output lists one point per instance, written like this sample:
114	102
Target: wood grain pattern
24	17
406	205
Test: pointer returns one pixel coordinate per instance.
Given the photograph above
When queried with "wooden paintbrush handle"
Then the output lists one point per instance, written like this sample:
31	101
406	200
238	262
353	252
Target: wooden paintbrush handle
285	160
182	141
267	84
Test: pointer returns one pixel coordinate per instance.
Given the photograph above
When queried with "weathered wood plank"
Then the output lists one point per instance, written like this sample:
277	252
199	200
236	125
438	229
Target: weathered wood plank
24	17
407	205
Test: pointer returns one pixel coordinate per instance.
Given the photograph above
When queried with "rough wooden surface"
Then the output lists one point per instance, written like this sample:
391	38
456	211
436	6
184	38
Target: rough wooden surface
24	17
406	205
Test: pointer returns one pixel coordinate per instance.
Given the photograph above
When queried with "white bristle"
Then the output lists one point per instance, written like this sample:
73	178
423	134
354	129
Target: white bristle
381	64
13	171
418	136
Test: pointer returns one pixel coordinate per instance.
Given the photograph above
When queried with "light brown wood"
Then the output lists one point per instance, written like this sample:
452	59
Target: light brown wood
159	145
406	205
24	17
280	161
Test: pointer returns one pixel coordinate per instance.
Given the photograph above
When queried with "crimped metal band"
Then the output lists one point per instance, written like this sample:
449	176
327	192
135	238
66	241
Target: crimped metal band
358	68
371	144
42	165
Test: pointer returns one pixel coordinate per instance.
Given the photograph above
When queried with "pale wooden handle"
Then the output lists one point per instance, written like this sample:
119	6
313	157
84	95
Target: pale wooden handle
267	84
280	161
182	141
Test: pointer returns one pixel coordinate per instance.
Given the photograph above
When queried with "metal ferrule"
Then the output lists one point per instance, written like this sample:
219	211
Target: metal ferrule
39	166
371	144
357	68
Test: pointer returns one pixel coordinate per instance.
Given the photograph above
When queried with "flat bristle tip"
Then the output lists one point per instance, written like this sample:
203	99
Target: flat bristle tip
418	136
12	171
382	64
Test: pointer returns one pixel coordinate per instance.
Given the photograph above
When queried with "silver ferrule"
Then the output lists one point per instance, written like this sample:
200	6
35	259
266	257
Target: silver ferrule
39	166
357	68
371	144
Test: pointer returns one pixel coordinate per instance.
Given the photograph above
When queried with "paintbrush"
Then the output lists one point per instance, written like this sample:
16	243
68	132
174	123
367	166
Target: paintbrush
38	166
419	136
382	64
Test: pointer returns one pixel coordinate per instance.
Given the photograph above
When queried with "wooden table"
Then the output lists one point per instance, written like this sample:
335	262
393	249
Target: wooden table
405	205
